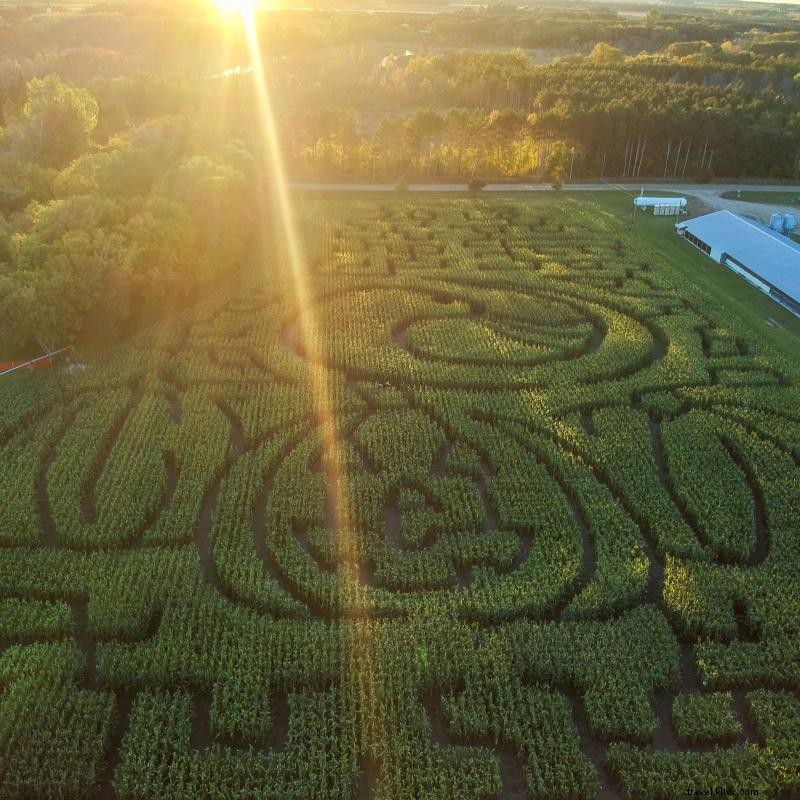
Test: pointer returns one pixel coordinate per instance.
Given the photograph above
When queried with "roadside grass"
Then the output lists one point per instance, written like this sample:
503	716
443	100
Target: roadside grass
768	198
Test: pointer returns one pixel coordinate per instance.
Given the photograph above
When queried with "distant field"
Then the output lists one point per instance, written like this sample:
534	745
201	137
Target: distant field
499	501
770	198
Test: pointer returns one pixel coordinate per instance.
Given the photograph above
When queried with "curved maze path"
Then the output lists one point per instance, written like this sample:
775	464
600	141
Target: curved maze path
499	513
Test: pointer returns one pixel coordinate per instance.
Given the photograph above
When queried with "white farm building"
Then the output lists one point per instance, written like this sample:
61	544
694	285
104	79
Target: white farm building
767	259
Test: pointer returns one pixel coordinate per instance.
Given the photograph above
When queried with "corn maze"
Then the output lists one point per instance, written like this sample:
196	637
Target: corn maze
486	507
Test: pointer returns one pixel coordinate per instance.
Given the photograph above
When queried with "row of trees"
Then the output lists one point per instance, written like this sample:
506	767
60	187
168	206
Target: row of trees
695	109
648	129
160	31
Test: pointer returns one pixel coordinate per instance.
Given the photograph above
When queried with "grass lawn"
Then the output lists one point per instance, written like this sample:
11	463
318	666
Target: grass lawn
770	198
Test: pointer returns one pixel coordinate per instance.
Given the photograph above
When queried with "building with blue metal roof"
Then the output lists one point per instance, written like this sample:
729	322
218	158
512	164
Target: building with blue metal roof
767	259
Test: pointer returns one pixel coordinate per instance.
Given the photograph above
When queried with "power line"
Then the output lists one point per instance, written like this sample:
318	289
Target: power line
30	364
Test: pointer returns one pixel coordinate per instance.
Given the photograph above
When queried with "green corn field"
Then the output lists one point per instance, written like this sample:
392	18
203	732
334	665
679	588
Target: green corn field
481	504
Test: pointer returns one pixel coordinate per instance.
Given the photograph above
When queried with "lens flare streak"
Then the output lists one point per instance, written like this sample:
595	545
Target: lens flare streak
308	329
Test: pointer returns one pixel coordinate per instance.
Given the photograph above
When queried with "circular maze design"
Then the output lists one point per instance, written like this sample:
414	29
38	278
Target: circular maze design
499	512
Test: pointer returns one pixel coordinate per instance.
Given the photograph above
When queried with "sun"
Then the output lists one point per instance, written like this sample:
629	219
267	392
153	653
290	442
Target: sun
243	7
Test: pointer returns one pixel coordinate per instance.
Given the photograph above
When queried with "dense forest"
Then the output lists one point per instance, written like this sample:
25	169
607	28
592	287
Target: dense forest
110	234
127	129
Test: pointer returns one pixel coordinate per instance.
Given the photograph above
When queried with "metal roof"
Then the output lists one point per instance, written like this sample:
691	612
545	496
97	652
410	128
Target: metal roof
770	255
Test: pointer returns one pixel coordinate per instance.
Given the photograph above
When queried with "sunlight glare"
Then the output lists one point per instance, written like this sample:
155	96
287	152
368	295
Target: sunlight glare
243	7
321	387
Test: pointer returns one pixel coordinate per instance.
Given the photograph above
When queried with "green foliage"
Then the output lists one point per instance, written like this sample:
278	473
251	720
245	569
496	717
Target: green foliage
53	732
703	718
55	124
138	228
604	54
645	773
22	619
401	443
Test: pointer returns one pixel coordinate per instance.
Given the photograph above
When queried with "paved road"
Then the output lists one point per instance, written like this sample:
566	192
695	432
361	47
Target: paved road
757	211
706	193
634	188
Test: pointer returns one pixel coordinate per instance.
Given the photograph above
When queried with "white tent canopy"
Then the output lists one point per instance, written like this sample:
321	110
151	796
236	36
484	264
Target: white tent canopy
650	202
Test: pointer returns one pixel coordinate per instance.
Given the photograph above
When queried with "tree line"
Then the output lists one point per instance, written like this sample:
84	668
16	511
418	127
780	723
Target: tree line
605	114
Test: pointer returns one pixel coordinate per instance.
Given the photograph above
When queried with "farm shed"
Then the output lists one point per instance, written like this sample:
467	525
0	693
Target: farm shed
766	258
